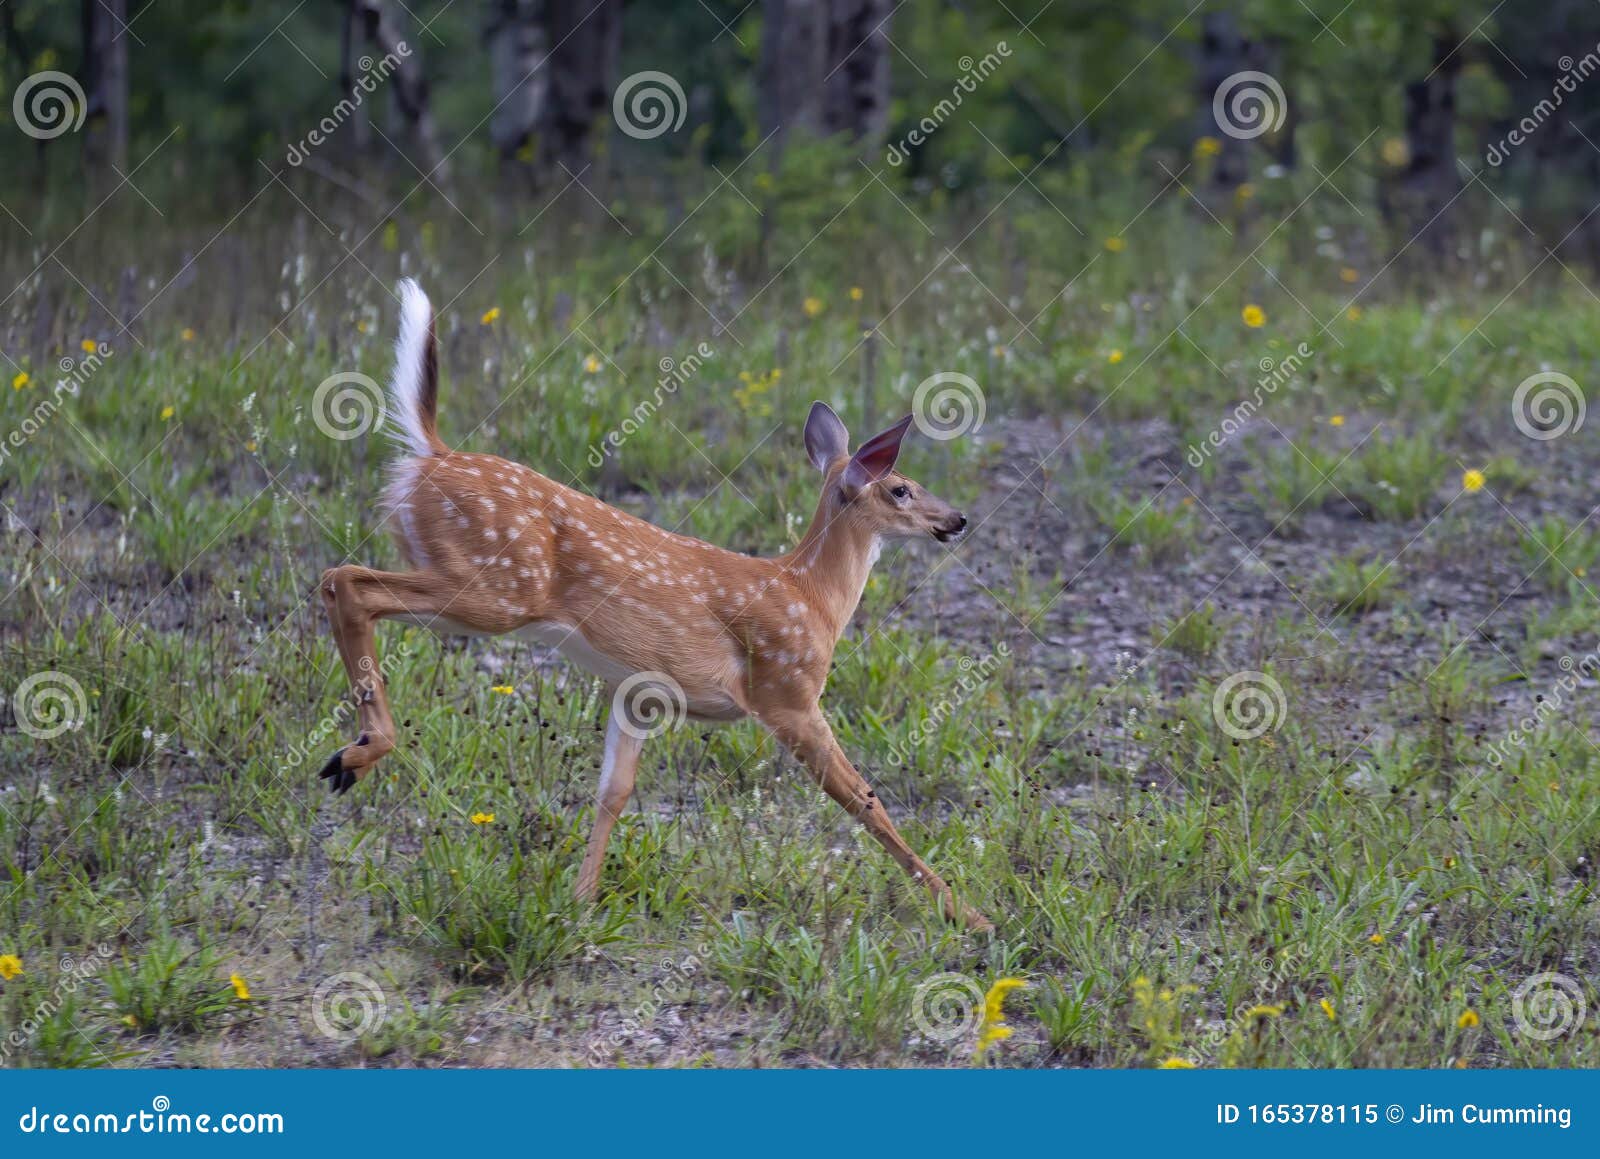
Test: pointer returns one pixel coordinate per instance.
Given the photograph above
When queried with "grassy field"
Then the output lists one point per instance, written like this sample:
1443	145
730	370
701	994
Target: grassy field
1215	711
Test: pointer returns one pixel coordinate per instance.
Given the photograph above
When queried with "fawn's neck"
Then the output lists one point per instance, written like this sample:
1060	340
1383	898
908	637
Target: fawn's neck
831	565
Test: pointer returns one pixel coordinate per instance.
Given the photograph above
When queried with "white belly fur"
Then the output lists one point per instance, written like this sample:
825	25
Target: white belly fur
575	646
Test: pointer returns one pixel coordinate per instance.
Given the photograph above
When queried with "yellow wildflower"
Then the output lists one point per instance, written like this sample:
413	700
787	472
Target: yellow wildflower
1114	357
1395	151
1353	313
1258	1012
87	346
490	316
1245	192
1174	1063
483	818
993	1028
166	413
20	381
250	445
591	365
1327	1008
1253	316
361	326
812	307
1472	481
10	966
1376	939
1115	244
186	334
1348	274
1468	1019
1207	147
857	293
241	988
1336	421
503	689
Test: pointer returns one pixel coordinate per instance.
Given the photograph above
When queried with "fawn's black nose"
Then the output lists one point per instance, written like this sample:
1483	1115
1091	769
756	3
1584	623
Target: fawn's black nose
951	527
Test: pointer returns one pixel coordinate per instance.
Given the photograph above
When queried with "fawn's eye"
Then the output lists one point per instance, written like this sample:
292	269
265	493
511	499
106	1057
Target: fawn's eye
901	492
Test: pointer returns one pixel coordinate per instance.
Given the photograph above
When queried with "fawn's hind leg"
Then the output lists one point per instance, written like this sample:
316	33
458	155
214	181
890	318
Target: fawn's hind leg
356	598
617	772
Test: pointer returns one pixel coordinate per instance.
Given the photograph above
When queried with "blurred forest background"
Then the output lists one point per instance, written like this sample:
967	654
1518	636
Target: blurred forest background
515	97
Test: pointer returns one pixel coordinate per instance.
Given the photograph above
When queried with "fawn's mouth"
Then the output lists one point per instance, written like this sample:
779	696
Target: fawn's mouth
951	530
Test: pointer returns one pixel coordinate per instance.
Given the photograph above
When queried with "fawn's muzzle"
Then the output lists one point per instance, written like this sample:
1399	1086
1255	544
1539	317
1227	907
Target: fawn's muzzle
950	528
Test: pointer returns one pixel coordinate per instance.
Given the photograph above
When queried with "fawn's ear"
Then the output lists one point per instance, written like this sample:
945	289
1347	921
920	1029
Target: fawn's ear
875	458
826	437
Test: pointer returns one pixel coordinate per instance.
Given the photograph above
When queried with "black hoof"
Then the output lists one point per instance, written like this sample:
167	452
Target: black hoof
340	779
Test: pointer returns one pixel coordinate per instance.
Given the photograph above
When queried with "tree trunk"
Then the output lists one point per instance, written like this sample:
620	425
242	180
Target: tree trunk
856	91
825	68
105	73
586	43
518	71
359	128
407	83
1430	180
1223	53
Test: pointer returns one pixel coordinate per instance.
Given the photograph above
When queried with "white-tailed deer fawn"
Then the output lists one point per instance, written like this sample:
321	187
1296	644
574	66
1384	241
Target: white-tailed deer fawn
497	548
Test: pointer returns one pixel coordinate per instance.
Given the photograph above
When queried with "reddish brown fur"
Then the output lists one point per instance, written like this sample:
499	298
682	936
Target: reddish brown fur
498	548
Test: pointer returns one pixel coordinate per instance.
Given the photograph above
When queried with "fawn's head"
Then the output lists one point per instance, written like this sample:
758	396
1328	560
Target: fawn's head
866	491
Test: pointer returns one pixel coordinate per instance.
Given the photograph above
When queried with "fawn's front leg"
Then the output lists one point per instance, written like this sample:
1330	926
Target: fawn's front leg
806	734
617	771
